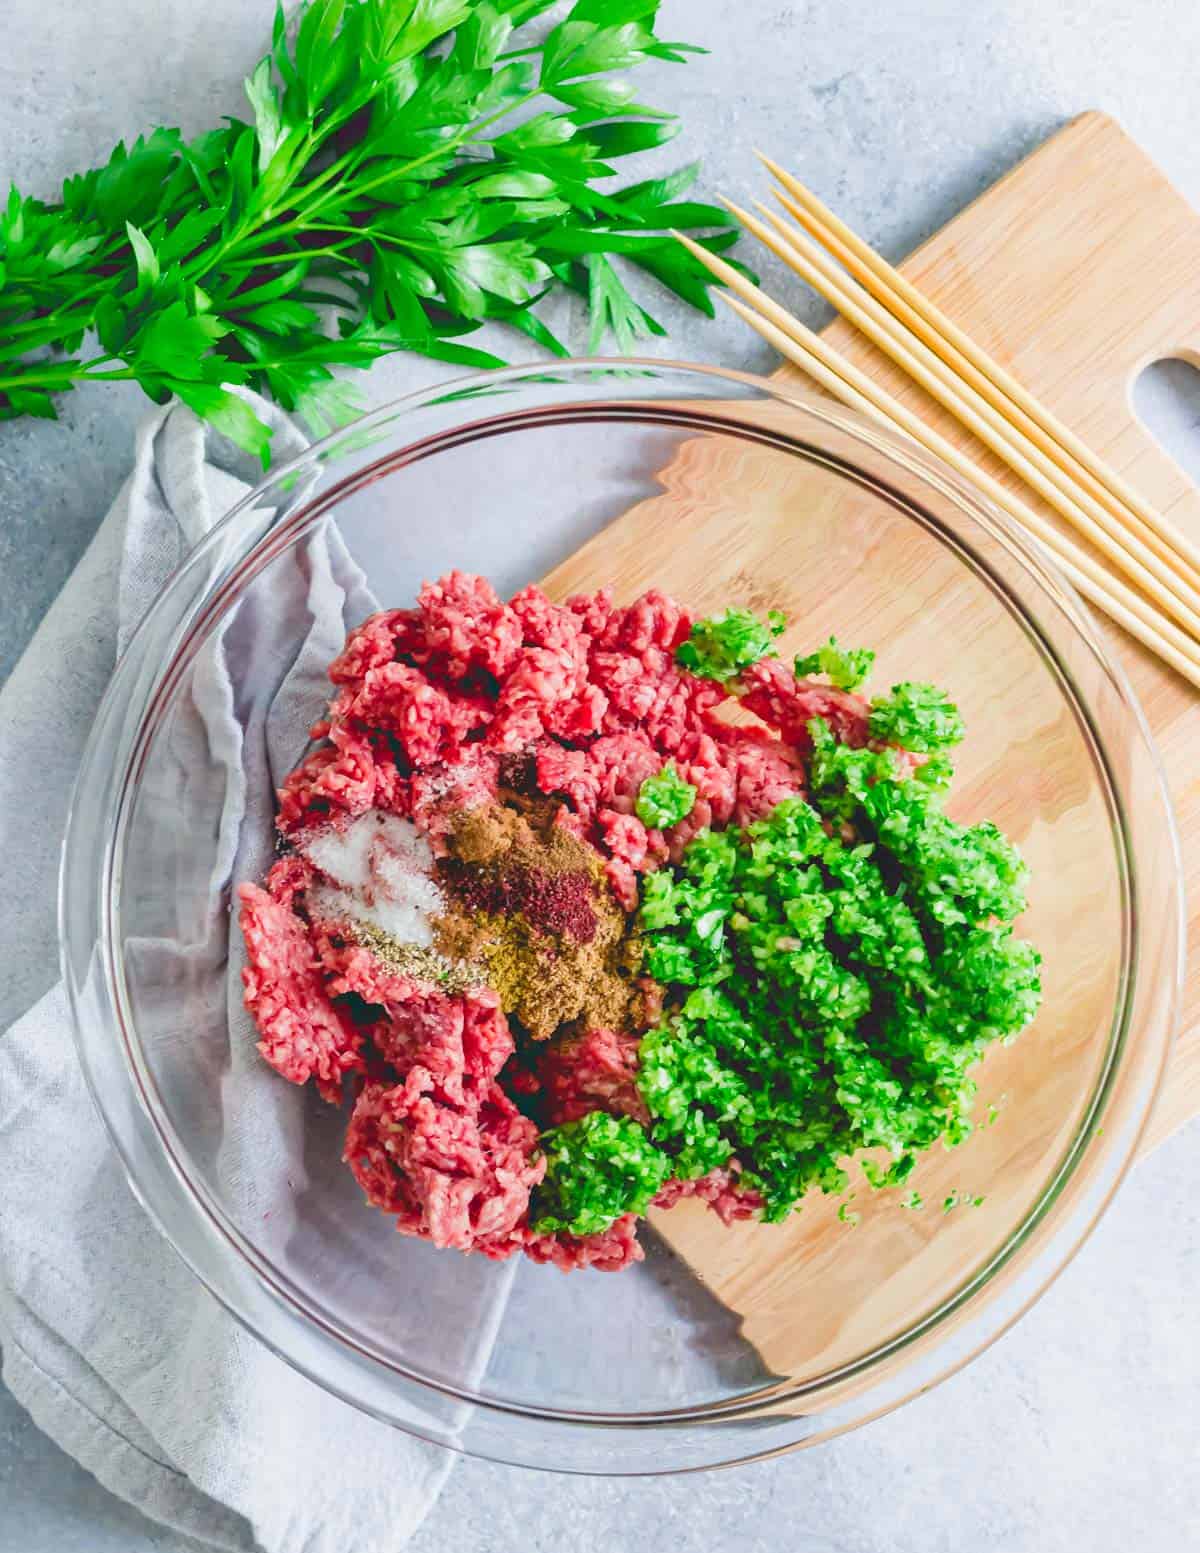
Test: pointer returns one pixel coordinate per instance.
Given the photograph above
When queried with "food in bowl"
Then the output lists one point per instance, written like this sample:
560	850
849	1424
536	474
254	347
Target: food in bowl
598	908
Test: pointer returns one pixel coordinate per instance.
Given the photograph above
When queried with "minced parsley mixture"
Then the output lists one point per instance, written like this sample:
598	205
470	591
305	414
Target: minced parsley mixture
835	972
806	957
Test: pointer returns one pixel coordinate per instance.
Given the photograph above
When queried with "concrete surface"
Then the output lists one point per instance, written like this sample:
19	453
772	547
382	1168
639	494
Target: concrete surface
1079	1429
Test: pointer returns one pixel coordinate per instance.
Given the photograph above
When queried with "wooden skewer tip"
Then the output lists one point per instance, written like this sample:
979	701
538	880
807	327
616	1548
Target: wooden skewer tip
771	165
735	209
711	261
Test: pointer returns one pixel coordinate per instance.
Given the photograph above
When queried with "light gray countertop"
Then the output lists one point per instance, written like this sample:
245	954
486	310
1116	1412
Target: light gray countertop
1079	1429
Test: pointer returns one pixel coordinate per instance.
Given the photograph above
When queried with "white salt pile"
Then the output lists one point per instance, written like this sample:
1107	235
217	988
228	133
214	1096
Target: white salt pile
378	870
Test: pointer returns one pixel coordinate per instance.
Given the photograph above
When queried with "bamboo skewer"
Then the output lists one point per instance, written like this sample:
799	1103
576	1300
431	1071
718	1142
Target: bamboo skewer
860	392
955	347
1123	549
941	355
1120	603
1178	553
1060	465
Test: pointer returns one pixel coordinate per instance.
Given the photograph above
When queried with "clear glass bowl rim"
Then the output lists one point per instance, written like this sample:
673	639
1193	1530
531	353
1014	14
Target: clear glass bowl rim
921	1372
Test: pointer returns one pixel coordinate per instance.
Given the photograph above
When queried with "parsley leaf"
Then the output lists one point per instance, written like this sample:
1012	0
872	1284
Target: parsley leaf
612	308
665	799
845	667
721	647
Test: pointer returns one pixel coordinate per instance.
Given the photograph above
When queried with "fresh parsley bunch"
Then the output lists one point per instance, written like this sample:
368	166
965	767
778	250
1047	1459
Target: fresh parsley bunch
412	169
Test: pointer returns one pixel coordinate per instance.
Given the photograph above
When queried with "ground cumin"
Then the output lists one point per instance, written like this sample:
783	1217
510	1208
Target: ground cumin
495	835
528	900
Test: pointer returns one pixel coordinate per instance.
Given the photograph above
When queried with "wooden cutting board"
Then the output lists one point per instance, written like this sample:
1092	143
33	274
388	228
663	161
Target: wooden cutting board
1076	270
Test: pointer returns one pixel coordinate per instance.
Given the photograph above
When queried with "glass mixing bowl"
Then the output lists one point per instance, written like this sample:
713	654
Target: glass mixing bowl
722	1345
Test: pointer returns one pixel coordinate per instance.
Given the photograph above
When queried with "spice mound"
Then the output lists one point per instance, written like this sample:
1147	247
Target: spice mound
528	903
571	943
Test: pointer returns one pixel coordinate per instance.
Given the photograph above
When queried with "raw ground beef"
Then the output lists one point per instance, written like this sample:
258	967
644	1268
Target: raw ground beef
720	1190
596	1071
429	705
456	1174
304	1034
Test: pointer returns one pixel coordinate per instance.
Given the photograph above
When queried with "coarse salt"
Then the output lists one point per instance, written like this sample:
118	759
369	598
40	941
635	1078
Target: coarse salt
379	870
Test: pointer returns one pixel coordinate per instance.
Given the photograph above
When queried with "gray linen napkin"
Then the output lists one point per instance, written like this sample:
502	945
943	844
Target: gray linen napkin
116	1350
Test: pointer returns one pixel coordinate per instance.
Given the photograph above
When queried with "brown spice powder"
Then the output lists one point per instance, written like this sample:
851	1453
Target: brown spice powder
496	836
546	982
545	978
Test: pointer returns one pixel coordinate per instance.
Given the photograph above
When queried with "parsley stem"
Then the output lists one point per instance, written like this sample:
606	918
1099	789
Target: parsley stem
243	234
298	213
455	143
57	374
261	261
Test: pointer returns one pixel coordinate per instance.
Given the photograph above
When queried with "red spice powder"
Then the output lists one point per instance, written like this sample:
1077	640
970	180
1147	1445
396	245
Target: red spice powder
561	904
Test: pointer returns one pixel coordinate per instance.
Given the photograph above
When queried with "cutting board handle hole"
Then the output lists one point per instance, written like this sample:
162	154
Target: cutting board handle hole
1166	399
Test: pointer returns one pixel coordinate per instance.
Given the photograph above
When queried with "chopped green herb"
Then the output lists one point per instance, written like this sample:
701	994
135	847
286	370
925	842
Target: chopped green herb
845	667
914	1200
665	799
936	773
827	995
894	1175
951	1202
916	717
958	874
977	1202
596	1169
722	646
847	1215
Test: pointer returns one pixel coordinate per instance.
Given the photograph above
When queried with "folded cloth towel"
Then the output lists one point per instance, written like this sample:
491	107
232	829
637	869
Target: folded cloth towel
116	1350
